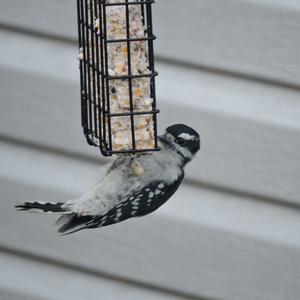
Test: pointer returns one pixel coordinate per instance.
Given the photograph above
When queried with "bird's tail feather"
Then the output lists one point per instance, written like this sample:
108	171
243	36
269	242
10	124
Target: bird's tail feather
41	207
72	223
69	222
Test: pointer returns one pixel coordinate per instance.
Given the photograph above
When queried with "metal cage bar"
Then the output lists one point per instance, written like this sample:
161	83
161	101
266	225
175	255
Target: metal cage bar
96	79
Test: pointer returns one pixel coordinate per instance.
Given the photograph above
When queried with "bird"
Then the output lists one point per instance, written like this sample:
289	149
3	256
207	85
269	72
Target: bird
132	186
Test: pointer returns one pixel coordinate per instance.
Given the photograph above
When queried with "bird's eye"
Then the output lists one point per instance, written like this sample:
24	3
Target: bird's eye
180	142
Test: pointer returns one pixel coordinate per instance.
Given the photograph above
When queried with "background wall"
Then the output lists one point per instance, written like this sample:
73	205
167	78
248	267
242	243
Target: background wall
229	68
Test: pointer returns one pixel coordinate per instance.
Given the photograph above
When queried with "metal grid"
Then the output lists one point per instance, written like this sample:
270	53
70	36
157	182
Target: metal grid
95	78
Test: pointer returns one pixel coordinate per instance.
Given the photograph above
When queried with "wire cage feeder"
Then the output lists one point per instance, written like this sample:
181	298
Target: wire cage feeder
117	75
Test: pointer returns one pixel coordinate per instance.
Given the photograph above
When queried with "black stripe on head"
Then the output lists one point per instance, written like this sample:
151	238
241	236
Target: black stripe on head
178	129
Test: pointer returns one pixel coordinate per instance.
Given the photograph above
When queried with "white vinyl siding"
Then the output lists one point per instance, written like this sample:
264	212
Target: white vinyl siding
230	68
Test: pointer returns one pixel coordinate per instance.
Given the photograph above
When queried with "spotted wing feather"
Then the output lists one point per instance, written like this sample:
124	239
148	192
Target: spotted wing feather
141	203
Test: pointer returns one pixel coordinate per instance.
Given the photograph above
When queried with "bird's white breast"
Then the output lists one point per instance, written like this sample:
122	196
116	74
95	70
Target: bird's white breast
121	182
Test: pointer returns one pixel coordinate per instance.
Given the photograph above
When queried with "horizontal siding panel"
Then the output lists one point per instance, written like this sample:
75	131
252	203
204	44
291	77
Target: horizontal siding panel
249	136
188	255
254	38
190	204
29	279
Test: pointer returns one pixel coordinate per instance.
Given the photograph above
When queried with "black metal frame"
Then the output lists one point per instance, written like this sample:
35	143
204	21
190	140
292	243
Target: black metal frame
95	78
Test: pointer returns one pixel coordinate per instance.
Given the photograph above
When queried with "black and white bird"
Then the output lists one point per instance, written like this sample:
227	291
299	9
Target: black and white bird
133	186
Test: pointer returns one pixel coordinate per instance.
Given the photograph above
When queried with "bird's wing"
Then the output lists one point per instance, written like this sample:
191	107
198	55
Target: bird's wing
139	203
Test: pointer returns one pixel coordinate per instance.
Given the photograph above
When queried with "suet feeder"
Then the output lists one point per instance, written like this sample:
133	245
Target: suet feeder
117	75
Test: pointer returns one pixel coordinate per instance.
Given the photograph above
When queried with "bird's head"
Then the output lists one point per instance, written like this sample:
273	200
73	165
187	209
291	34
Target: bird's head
183	139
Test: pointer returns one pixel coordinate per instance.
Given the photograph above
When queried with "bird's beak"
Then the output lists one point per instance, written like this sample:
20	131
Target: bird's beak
165	138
